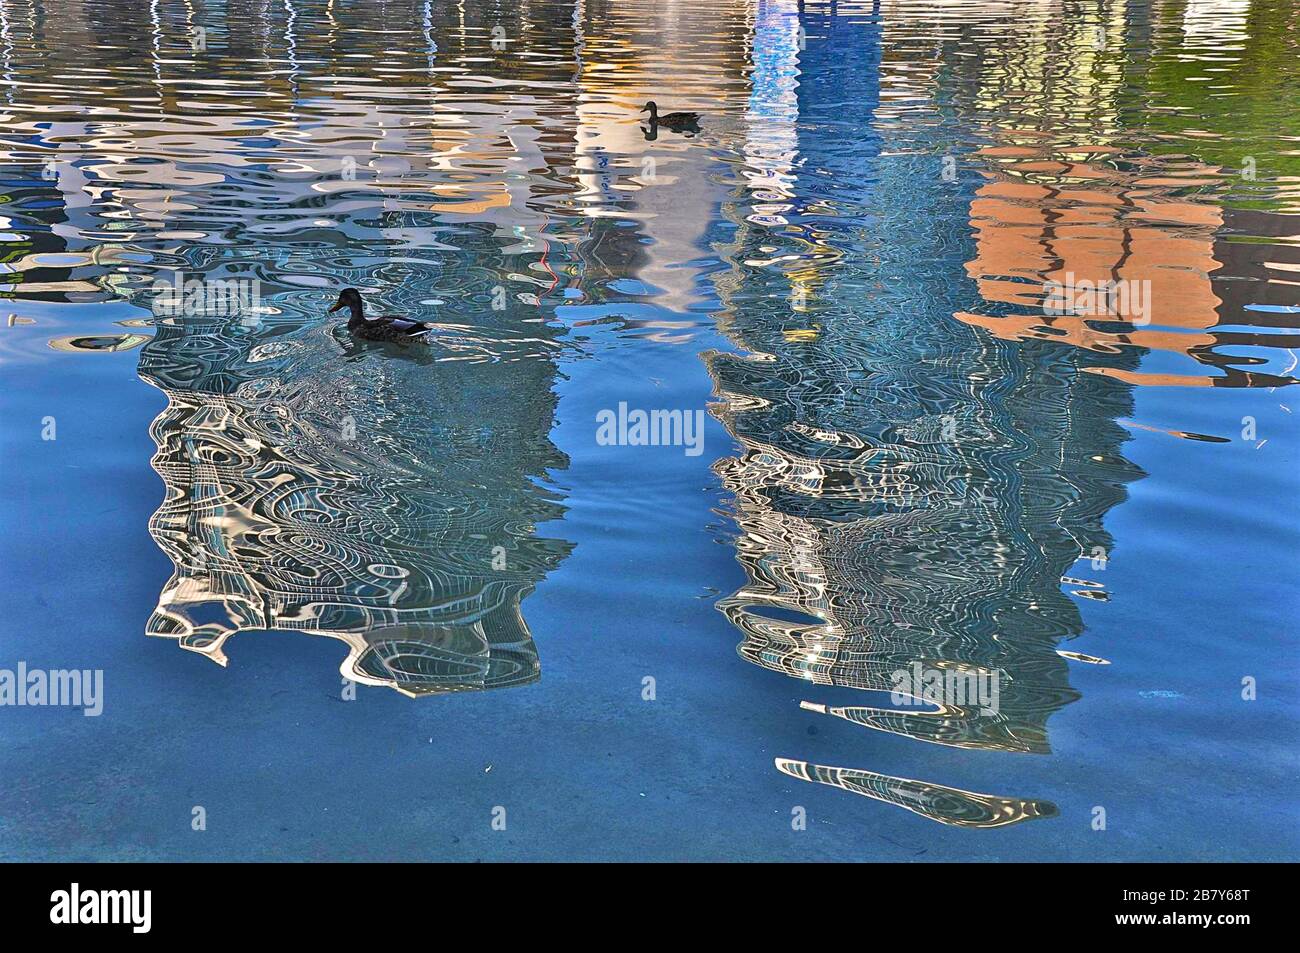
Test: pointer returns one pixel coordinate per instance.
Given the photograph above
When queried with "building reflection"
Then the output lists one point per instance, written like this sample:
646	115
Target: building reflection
393	514
918	493
388	501
924	456
1058	215
909	490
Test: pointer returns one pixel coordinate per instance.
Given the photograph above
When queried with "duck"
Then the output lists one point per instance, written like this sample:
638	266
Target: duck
676	122
389	328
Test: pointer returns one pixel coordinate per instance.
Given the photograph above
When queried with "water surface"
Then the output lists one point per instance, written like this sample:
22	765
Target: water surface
910	461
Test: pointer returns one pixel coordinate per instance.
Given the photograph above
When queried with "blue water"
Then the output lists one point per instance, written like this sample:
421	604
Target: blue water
904	458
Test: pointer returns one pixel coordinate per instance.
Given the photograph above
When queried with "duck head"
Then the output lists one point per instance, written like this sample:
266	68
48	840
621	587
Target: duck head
349	298
652	109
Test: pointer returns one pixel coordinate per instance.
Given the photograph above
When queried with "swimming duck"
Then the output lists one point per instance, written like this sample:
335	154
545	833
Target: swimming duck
677	122
397	330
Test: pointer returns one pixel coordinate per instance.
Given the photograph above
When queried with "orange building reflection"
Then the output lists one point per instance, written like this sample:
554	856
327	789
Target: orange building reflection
1050	217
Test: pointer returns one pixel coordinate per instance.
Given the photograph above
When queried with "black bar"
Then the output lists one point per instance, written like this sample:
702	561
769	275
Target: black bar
925	903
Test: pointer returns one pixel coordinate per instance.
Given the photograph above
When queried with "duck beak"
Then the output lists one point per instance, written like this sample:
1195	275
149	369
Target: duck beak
644	109
337	304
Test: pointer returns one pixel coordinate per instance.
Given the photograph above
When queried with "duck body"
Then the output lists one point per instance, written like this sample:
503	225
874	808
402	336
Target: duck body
675	122
394	330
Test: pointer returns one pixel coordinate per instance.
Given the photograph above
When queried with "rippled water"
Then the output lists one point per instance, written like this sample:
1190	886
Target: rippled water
912	463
